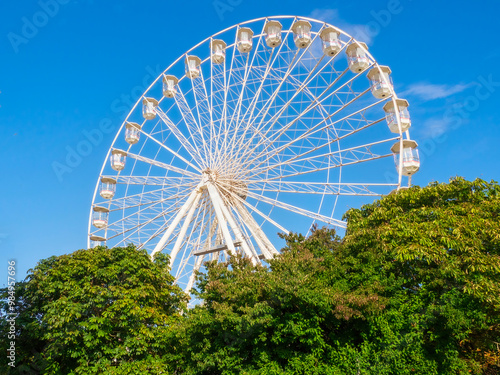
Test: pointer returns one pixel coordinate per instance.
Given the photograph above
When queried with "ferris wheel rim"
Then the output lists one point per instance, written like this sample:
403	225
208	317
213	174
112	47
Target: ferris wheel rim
236	26
351	40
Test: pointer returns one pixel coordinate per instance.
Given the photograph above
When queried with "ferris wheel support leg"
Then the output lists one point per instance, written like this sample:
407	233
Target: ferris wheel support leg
197	265
211	233
185	225
400	164
267	247
159	246
220	216
238	234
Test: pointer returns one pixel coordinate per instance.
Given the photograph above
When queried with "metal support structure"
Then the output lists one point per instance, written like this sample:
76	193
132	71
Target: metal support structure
161	244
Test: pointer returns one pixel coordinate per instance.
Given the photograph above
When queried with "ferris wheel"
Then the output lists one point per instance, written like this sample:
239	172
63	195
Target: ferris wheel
267	126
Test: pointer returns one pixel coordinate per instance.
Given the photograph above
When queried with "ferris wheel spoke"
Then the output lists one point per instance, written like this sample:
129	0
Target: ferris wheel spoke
298	118
251	107
317	105
254	209
296	187
317	101
134	227
267	105
222	87
233	81
329	160
140	199
159	164
168	225
193	152
317	128
248	70
204	111
306	82
155	180
297	210
312	149
299	90
264	109
194	128
316	170
218	97
337	124
162	145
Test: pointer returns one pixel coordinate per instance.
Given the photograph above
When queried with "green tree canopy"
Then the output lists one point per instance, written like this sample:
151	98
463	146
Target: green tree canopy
443	242
97	311
412	288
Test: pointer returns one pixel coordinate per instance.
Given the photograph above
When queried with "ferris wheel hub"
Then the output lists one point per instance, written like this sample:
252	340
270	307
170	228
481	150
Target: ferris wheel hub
228	185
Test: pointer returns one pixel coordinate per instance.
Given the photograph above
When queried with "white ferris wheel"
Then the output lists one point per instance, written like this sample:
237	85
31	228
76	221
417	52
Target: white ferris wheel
267	126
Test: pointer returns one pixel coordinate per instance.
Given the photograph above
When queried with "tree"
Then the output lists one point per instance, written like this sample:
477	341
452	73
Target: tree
443	241
413	288
288	318
98	311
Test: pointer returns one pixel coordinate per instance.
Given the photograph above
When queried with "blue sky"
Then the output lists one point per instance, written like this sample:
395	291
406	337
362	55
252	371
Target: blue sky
70	69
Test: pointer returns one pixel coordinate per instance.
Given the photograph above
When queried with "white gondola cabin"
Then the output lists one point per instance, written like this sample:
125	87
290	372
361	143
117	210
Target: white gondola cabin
272	30
244	40
356	57
107	188
410	160
331	41
301	34
170	86
149	108
218	48
97	241
193	68
118	158
132	132
100	217
380	81
404	115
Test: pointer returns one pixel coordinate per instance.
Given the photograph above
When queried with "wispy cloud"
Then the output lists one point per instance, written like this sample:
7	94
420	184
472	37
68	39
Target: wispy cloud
430	91
433	127
357	31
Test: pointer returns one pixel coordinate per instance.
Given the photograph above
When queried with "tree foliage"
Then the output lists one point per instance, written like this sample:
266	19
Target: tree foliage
412	288
443	242
97	311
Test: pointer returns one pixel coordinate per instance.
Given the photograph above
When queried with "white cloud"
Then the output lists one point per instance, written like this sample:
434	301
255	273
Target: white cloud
357	31
433	127
430	91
